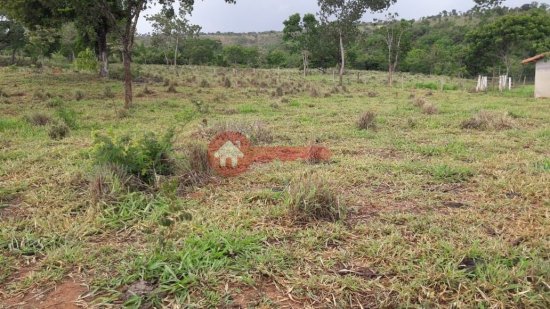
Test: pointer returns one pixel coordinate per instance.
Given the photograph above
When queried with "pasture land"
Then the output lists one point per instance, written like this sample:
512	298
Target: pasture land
443	196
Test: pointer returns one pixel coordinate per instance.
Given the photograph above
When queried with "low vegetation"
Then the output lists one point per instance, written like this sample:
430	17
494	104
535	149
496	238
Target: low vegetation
413	209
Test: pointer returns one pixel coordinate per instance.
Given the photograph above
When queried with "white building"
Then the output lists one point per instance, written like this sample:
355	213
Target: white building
542	74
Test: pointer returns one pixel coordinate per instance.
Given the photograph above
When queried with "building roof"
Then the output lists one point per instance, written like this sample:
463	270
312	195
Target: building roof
536	58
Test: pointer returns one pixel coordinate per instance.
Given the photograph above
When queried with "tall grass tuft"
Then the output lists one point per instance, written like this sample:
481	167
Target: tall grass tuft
488	120
367	121
311	197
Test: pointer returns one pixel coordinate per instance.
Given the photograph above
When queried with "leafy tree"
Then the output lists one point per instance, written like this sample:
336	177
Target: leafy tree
341	18
509	38
277	58
172	27
395	36
12	36
302	35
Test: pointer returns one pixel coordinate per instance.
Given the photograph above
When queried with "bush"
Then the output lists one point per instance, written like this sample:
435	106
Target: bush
144	158
38	119
41	95
367	121
197	170
68	116
487	120
108	93
55	102
58	131
79	95
312	198
172	88
429	109
86	61
109	182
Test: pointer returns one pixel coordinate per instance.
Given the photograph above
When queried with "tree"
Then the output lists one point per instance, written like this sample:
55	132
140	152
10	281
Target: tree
173	27
86	15
509	38
301	35
130	11
341	18
393	37
12	36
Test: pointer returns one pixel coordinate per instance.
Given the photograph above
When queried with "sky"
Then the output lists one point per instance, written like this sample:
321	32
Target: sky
267	15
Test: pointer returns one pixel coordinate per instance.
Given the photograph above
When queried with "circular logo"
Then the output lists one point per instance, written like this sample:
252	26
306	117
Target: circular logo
229	153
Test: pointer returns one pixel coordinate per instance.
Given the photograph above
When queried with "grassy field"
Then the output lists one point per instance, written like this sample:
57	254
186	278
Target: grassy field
443	200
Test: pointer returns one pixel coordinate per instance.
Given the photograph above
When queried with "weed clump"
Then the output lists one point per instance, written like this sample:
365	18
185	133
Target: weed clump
227	82
197	169
55	102
58	131
172	88
311	198
41	95
68	116
367	121
79	95
108	93
487	120
429	109
144	158
38	119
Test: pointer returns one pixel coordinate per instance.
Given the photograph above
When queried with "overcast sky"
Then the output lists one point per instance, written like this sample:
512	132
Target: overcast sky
266	15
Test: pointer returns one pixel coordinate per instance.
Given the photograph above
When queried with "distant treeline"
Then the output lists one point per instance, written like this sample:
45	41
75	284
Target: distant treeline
490	41
451	43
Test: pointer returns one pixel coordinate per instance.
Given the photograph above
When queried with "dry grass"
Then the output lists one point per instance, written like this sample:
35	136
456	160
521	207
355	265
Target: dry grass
367	121
311	198
38	119
429	109
488	120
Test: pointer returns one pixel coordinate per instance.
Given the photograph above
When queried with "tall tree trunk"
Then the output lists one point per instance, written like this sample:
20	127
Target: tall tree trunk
176	53
390	75
127	60
102	49
13	53
343	57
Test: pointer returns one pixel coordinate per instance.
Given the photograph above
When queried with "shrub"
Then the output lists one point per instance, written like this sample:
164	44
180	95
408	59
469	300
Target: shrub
197	170
86	61
144	158
108	183
108	93
429	109
55	102
172	88
38	119
227	82
41	95
79	95
311	198
367	121
487	120
58	131
419	102
68	116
